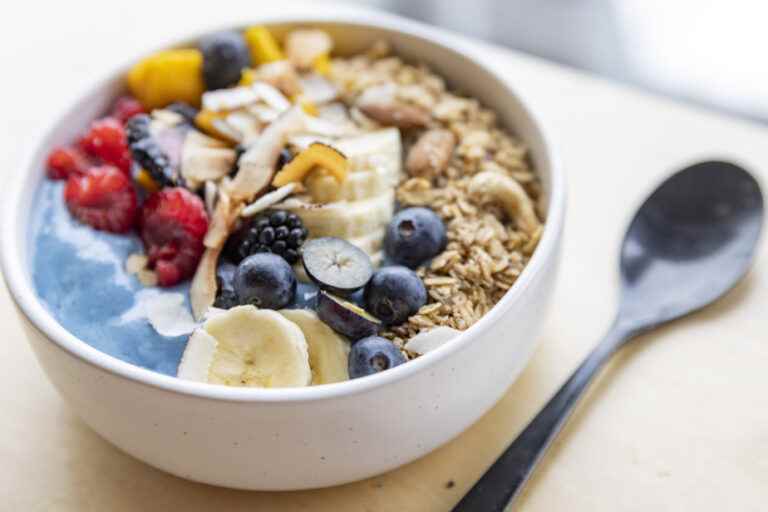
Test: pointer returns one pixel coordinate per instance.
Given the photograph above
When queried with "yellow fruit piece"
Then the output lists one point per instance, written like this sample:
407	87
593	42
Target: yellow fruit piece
248	77
205	120
316	155
322	64
168	76
264	47
146	181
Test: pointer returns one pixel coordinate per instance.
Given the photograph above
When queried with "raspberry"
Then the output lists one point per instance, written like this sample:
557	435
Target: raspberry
106	140
173	225
62	162
103	198
126	107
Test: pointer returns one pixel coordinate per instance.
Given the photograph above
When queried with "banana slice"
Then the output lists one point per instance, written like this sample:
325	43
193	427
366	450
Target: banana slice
344	219
328	351
247	347
324	188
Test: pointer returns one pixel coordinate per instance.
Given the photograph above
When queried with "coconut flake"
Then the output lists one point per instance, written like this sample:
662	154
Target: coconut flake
430	340
198	356
318	89
211	191
229	99
257	165
166	312
202	291
271	96
268	200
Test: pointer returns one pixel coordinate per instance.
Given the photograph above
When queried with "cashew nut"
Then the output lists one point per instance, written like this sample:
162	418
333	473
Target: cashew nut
431	153
504	190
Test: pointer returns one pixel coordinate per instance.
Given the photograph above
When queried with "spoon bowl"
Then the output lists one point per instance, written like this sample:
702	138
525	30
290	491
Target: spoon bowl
689	243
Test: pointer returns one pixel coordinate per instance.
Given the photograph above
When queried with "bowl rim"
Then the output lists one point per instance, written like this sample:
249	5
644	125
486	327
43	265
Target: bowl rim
23	294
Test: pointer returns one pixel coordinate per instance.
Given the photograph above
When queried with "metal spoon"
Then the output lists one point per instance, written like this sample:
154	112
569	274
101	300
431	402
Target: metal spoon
690	242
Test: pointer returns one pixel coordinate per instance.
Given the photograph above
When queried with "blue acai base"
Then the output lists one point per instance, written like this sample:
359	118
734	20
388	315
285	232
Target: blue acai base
79	274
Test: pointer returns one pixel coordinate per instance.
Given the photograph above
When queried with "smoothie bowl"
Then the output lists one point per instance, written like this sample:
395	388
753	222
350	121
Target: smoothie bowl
287	255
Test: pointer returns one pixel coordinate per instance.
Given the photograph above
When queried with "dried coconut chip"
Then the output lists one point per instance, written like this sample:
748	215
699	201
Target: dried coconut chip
223	219
303	46
147	277
210	194
202	291
268	200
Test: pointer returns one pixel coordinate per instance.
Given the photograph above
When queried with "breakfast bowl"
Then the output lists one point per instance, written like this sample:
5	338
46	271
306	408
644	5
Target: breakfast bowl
314	436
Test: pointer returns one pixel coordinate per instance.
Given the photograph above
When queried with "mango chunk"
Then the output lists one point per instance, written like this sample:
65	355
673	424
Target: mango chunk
264	47
316	155
168	76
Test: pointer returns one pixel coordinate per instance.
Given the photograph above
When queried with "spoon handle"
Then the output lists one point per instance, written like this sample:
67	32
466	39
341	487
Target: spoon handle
503	481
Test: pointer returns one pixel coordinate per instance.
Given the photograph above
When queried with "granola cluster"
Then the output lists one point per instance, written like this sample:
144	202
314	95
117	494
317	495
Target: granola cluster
487	247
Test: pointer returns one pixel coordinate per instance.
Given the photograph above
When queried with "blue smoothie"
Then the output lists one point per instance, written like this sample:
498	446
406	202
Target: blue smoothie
79	274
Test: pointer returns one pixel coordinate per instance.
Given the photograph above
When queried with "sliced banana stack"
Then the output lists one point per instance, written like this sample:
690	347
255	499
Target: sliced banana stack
247	347
328	351
359	208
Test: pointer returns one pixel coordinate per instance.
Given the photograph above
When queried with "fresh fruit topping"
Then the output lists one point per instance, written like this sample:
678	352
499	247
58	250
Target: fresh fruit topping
373	355
185	110
345	317
247	347
148	151
264	47
276	231
414	235
394	293
103	198
316	155
304	46
126	107
63	162
328	352
257	165
265	281
168	76
336	265
225	284
213	124
225	55
173	225
106	140
489	186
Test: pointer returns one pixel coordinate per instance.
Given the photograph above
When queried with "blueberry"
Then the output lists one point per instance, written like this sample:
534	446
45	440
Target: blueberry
265	280
373	355
413	236
226	296
345	317
393	294
225	55
336	265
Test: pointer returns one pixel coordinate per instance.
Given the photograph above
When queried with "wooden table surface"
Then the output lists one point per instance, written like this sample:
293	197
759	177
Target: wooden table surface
679	421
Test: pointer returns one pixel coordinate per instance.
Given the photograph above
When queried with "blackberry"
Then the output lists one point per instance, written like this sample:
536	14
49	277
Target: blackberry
275	231
146	151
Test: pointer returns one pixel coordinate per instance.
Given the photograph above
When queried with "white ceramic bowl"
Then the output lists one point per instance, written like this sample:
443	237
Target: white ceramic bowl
303	437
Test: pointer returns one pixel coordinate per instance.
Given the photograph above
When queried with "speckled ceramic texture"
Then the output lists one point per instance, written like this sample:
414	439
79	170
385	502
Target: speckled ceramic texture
301	437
